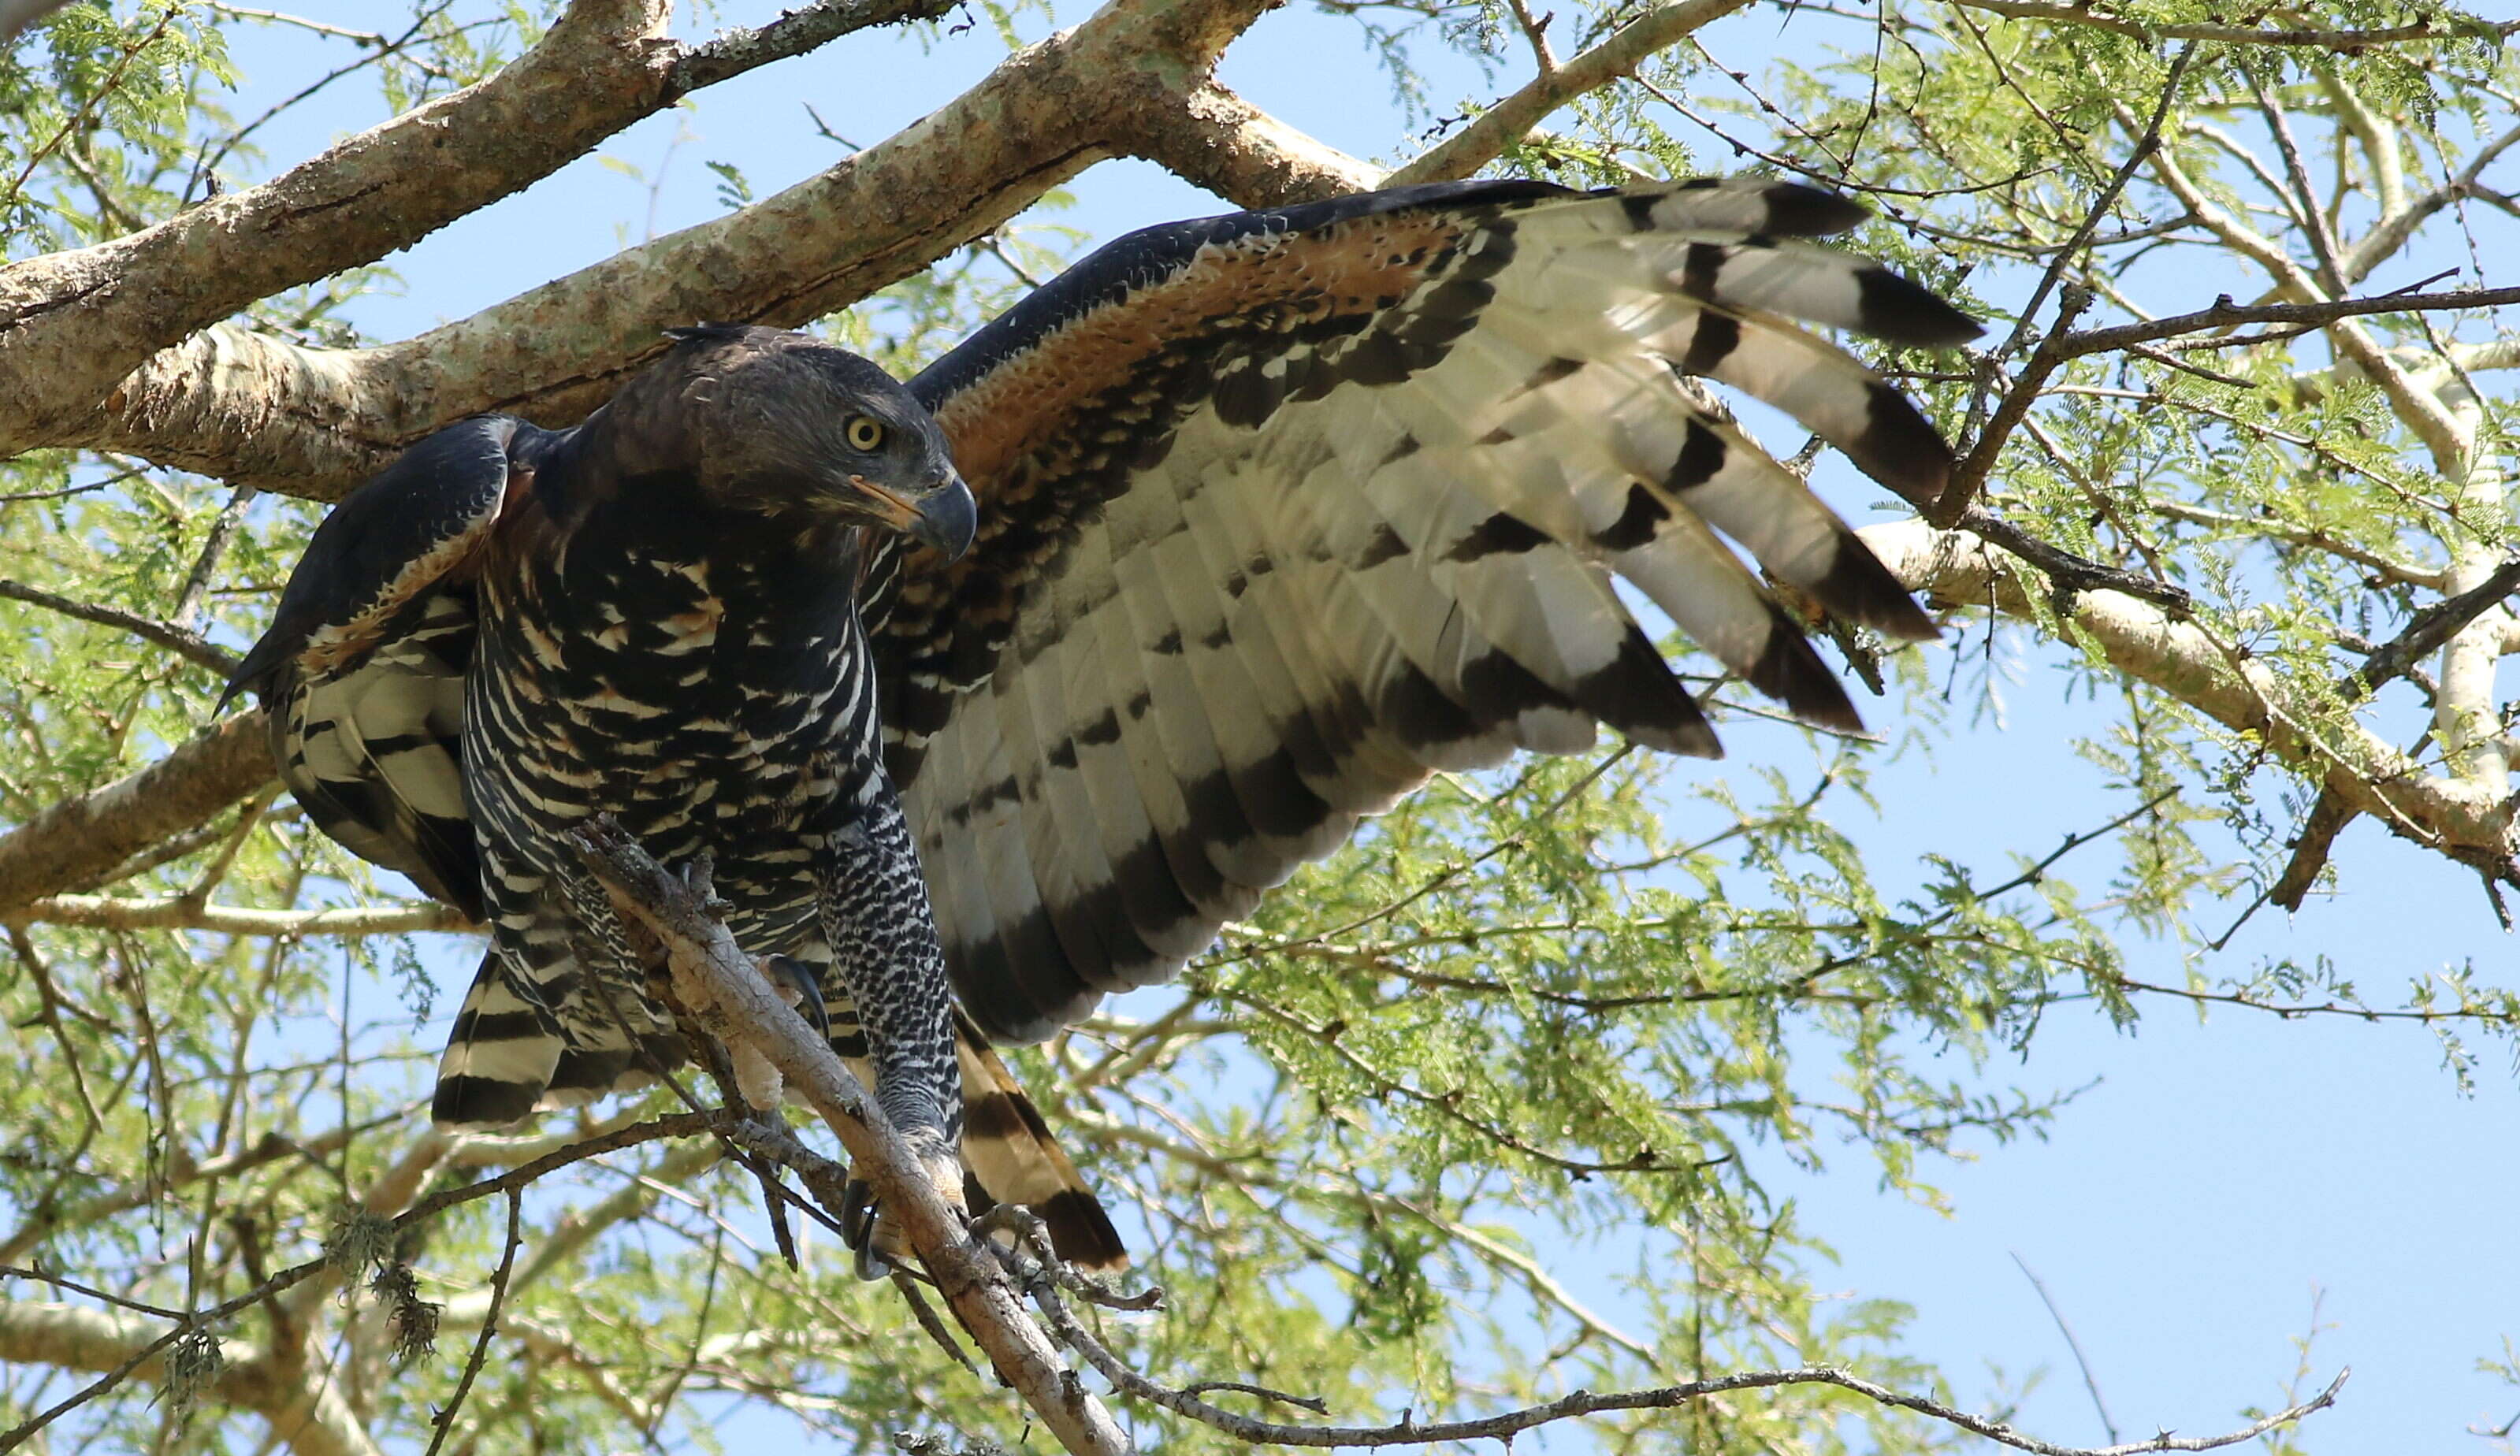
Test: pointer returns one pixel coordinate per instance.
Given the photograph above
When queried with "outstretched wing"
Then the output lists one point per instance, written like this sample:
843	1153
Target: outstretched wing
363	668
1283	511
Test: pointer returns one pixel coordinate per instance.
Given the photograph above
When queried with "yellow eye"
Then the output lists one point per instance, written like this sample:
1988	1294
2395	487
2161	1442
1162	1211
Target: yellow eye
864	434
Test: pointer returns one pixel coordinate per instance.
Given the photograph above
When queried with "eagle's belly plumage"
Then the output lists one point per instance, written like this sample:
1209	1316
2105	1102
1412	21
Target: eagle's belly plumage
714	700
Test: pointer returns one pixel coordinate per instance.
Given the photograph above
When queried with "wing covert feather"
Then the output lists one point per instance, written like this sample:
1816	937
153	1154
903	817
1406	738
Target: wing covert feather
363	667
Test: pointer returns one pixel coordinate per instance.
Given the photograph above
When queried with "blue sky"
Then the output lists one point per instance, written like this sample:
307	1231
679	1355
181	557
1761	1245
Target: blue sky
2185	1210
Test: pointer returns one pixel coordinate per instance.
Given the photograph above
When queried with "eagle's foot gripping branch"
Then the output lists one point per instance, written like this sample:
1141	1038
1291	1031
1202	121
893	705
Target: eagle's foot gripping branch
676	908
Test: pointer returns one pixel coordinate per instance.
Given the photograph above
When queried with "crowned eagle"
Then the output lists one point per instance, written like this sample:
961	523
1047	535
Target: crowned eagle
998	691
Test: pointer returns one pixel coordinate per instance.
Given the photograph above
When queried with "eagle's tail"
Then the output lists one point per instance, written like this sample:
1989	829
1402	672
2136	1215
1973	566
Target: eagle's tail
1008	1156
508	1055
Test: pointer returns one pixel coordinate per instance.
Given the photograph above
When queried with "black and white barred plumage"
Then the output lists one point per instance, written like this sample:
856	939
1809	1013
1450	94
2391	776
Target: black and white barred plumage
1277	513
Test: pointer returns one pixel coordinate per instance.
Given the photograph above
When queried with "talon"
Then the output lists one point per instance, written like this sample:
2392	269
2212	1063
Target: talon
799	986
859	1216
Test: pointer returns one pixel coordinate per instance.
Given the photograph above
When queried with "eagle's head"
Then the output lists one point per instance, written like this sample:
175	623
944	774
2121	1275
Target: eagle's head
786	425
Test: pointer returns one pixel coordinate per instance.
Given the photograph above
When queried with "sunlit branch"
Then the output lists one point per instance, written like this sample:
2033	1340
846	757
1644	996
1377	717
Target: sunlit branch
1247	157
2394	229
2348	42
66	339
182	913
2178	657
91	833
1504	123
2421	413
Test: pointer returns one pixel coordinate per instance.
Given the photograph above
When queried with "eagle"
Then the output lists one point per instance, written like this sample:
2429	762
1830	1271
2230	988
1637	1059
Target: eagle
1001	690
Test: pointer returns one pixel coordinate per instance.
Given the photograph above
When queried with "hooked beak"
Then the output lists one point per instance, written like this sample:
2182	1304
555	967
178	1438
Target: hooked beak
945	517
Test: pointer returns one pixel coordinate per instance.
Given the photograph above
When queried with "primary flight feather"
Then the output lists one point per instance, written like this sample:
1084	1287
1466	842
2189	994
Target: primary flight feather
1269	516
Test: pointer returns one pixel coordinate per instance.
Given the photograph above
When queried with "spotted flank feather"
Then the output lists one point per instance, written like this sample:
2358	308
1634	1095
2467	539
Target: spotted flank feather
1282	512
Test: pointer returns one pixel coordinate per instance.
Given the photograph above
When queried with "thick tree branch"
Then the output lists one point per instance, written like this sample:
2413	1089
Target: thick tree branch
308	1415
967	1274
1247	157
2178	657
312	422
17	15
72	325
90	834
805	28
181	912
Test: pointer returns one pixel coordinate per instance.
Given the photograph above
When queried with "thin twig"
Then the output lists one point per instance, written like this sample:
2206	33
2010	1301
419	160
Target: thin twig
187	643
10	1271
205	565
1502	1428
2346	42
2225	313
2091	1381
444	1419
2430	629
1970	473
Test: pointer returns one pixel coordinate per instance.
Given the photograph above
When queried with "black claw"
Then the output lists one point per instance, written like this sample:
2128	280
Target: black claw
794	976
858	1215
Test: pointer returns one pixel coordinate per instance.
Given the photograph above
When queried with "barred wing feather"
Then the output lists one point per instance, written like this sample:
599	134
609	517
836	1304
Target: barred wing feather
1284	510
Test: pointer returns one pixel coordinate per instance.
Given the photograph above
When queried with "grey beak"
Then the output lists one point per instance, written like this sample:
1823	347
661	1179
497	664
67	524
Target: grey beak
947	517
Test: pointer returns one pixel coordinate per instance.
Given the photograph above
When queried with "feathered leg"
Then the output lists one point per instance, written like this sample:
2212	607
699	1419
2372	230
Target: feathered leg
886	952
